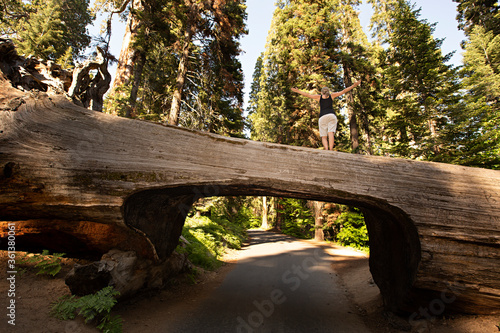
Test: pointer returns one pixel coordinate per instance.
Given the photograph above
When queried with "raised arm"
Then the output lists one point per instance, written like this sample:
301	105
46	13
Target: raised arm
303	93
340	93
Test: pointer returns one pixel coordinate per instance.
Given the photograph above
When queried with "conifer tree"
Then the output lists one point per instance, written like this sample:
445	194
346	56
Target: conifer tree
473	134
11	12
148	27
302	51
253	96
357	62
42	31
381	20
47	29
218	24
418	84
484	13
211	94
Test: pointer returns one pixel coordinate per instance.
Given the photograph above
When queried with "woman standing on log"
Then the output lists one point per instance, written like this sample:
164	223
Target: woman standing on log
327	118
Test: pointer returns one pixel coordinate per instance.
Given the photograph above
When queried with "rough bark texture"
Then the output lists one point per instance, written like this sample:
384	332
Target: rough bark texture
128	54
317	209
265	224
76	178
181	72
36	75
353	122
30	73
90	89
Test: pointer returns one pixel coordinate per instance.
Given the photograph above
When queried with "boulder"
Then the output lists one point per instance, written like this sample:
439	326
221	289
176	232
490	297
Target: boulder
127	273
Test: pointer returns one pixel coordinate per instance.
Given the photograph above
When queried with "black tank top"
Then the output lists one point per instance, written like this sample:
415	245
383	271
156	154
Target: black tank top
325	106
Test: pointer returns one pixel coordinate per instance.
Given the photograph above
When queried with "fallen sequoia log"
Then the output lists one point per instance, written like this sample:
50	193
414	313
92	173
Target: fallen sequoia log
84	182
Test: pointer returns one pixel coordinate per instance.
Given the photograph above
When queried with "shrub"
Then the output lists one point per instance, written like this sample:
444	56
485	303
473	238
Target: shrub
297	218
46	263
209	237
93	307
353	230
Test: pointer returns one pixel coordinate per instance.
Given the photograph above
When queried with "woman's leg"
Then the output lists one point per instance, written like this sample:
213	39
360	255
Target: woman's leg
325	141
331	139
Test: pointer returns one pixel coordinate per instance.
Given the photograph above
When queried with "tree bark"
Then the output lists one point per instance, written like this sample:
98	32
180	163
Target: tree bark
265	224
181	72
317	208
365	124
278	207
351	110
81	181
128	54
141	61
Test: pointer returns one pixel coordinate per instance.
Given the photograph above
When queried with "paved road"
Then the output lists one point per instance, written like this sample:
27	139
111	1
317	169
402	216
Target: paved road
279	285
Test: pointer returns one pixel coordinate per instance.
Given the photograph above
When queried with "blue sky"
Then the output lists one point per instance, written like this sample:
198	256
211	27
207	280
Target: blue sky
260	13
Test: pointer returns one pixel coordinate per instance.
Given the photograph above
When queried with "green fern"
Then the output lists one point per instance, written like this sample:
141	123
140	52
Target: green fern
111	324
46	263
91	307
64	308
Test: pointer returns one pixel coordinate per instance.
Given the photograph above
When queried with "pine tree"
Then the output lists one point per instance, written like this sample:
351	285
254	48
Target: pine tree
204	61
473	135
217	22
302	51
381	20
10	14
130	53
484	13
482	64
42	31
357	61
148	28
418	85
48	29
253	96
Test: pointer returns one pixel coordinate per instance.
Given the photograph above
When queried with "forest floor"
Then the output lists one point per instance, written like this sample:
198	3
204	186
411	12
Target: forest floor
34	295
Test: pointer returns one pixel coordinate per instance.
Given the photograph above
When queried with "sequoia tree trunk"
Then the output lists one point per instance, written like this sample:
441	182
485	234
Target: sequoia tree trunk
126	60
265	224
181	75
317	208
351	110
79	181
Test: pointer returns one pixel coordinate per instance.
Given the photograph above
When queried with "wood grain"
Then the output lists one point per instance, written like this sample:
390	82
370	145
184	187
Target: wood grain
434	228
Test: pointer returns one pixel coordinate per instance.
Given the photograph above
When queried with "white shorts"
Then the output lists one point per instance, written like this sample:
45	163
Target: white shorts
327	123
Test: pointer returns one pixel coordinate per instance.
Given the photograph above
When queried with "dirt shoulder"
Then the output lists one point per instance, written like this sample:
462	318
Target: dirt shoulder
33	295
353	269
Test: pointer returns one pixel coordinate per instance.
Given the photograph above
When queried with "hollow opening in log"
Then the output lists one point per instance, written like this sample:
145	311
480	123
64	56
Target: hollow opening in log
76	239
159	214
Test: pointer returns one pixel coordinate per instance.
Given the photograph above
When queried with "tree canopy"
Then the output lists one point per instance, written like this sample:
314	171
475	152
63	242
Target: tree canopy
412	103
48	29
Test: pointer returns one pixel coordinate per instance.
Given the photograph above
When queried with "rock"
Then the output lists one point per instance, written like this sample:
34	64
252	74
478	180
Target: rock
175	264
87	279
125	272
127	276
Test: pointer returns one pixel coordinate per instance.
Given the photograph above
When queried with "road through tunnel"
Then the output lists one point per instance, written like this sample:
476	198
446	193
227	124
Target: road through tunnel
159	215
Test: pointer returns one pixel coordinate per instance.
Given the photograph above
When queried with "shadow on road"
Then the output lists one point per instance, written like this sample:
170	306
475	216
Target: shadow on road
257	236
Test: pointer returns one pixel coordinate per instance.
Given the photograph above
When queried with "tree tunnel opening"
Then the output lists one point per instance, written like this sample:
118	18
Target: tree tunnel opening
159	215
